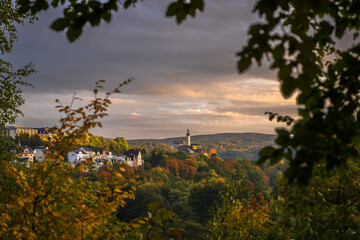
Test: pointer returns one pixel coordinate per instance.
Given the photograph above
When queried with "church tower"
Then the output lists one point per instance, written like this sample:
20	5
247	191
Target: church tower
188	138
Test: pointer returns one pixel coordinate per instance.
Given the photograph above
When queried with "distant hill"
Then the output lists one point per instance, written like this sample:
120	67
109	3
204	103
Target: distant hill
228	145
212	138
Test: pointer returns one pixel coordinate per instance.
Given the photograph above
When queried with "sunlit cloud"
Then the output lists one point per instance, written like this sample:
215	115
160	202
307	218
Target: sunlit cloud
134	114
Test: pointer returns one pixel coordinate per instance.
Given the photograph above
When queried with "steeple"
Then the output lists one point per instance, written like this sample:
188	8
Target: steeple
188	138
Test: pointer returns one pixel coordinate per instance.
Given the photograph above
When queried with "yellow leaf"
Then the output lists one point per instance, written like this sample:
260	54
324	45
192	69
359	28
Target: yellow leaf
21	203
117	190
135	225
118	175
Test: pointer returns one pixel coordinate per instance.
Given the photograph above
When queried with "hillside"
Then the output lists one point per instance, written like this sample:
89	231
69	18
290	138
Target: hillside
228	145
212	138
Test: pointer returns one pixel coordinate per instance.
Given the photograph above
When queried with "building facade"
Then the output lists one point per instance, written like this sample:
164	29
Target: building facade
13	131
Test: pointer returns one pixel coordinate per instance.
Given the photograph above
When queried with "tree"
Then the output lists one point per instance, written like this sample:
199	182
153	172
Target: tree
248	219
11	82
10	89
296	36
203	198
173	166
144	194
26	140
120	146
180	155
157	158
327	208
10	79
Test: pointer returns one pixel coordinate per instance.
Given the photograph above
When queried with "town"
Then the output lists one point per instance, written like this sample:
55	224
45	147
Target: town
130	157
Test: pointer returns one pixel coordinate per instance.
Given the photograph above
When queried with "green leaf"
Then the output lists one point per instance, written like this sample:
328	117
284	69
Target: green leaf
276	157
292	45
278	51
285	71
94	4
192	12
267	151
340	29
355	36
244	63
95	20
283	137
255	29
106	16
180	16
173	9
288	87
127	4
199	4
304	83
60	24
73	34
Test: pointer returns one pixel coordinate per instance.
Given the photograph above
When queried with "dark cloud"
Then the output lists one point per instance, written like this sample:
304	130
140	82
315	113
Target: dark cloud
139	43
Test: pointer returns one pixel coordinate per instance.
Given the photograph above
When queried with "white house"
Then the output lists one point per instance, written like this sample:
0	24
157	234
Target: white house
40	152
80	154
132	157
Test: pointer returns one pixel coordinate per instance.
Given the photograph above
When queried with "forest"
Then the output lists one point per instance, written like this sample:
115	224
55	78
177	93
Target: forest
179	196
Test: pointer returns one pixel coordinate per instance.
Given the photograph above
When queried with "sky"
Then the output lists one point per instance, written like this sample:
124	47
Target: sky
184	75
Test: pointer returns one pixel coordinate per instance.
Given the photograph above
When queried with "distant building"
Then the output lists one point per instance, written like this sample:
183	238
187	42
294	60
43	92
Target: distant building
188	138
13	131
188	147
133	158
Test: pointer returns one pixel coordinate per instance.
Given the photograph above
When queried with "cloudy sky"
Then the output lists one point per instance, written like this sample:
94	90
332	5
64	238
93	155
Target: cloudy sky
185	76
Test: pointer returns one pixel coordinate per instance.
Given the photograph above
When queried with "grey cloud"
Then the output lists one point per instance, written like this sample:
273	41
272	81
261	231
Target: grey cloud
137	43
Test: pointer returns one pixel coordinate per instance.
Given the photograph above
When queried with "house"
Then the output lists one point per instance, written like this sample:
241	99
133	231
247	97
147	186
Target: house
40	152
27	154
103	155
82	153
133	158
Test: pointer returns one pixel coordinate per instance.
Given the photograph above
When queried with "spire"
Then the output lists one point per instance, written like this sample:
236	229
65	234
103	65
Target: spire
188	138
